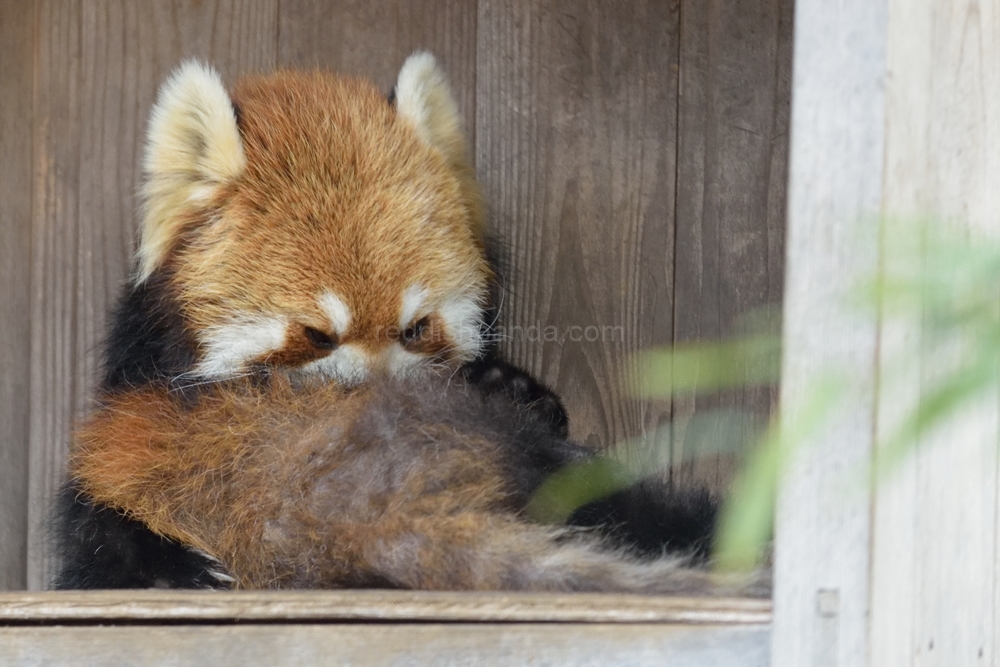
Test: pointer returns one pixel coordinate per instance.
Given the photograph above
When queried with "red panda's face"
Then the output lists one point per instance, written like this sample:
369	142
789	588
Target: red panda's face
341	243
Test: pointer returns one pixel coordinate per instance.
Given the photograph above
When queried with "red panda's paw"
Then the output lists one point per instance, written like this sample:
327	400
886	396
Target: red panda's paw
493	376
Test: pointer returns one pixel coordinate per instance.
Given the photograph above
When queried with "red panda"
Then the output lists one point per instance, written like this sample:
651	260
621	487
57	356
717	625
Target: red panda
298	389
322	230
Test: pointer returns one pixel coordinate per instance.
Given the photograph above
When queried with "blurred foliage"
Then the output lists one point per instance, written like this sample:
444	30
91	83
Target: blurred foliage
711	432
747	521
747	518
945	286
940	287
710	367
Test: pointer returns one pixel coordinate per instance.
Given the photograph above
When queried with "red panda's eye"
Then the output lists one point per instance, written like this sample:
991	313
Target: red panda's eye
320	339
415	331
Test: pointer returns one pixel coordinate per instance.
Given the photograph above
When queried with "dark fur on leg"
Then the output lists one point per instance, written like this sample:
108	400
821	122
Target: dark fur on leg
102	548
647	519
98	546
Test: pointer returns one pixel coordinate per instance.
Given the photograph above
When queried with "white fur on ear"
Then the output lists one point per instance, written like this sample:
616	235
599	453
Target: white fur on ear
424	98
193	145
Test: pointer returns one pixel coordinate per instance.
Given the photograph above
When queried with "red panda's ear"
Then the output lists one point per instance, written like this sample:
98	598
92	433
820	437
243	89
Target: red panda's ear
422	97
193	146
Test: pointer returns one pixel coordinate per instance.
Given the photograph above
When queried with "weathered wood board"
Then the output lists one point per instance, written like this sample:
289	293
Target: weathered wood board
15	272
149	606
372	38
732	134
834	195
895	116
935	522
577	154
378	628
386	644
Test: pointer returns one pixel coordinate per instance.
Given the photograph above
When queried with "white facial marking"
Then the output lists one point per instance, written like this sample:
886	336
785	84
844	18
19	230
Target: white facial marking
336	310
413	300
228	347
347	365
400	362
462	318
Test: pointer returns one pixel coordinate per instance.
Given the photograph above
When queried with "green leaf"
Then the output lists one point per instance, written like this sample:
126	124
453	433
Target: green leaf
701	367
747	520
576	485
711	433
937	404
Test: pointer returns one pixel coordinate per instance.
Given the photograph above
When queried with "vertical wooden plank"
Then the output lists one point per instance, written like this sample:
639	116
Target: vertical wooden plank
16	44
835	179
934	559
735	73
576	123
98	67
371	38
54	394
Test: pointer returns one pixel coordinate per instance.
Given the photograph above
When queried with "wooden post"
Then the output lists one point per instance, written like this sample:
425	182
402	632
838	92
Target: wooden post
895	115
835	173
934	533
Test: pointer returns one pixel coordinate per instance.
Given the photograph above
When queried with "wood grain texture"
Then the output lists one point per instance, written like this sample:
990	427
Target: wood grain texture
57	388
371	38
16	59
576	149
97	69
419	644
934	552
735	74
372	605
837	131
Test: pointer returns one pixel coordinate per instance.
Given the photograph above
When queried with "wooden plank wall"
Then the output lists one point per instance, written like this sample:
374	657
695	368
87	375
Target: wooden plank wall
633	156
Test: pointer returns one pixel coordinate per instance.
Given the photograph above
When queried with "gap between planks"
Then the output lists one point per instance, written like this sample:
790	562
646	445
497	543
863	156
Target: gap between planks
152	606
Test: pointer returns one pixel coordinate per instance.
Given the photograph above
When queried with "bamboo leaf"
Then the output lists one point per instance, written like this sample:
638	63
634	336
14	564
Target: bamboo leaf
702	367
747	520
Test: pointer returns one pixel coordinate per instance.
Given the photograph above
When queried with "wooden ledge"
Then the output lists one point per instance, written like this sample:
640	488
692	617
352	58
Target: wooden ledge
156	606
390	628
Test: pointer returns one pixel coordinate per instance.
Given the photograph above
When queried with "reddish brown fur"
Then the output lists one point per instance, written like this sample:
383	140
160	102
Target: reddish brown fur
248	475
317	487
339	194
